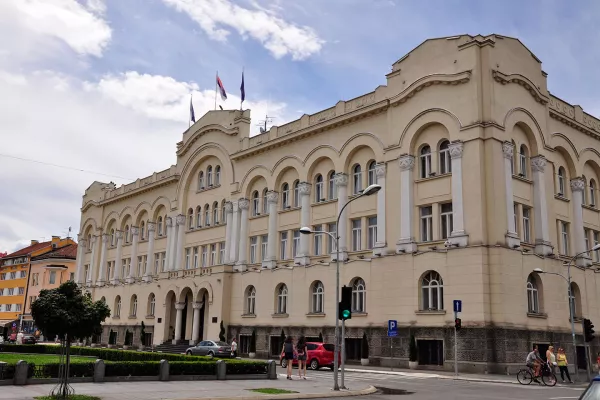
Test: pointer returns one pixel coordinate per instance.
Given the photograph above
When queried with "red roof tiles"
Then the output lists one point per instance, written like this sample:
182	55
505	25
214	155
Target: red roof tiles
68	251
29	249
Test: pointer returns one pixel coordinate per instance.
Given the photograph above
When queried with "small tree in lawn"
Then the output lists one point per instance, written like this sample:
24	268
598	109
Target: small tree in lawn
68	313
252	348
222	337
142	334
364	347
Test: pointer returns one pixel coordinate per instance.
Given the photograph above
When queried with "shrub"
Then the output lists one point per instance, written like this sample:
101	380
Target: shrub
364	346
50	370
412	349
192	368
222	337
237	368
132	368
320	337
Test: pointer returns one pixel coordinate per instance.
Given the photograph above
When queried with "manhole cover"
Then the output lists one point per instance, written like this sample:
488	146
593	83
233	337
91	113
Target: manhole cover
392	391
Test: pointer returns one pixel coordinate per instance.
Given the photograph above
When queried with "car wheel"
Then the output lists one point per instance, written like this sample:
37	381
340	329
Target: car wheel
211	354
284	363
314	364
188	353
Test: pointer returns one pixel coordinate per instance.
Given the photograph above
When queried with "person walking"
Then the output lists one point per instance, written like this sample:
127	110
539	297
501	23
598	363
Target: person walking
551	359
301	350
234	348
288	351
563	365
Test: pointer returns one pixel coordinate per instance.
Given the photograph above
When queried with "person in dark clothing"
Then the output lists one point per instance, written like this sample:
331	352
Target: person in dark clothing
288	352
301	350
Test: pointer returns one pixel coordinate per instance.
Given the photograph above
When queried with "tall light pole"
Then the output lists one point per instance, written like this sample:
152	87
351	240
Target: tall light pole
371	189
571	297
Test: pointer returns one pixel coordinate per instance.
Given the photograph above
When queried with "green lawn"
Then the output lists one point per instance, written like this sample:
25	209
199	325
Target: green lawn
271	391
40	359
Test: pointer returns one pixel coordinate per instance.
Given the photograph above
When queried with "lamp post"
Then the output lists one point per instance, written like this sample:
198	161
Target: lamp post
570	295
305	230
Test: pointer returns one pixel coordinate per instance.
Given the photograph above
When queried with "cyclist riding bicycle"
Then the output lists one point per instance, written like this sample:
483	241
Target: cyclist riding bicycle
534	361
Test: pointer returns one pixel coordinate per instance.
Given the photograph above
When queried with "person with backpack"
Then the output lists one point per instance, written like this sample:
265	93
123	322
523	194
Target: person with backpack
288	351
301	350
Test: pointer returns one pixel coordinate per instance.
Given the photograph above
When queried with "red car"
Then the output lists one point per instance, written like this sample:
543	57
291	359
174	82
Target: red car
317	355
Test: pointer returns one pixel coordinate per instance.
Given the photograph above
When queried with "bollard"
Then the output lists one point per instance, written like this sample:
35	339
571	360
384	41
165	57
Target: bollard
163	374
21	371
271	370
99	369
221	370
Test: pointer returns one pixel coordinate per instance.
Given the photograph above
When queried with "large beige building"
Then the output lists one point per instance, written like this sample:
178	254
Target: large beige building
485	175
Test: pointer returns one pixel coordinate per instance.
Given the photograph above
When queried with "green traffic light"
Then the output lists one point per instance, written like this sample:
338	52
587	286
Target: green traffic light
346	313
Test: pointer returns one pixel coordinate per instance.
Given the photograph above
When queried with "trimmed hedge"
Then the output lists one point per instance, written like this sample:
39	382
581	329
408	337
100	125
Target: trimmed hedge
246	367
192	368
43	371
132	368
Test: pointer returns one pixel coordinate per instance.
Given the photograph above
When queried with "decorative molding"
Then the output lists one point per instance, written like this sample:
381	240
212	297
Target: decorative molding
538	163
105	238
83	243
119	235
151	226
228	207
135	231
179	306
508	149
304	188
563	108
197	305
340	179
322	116
429	80
169	221
577	185
456	149
272	197
522	81
359	102
380	170
183	148
180	219
243	203
406	162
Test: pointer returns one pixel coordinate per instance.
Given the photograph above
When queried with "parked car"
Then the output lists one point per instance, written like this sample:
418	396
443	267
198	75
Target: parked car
210	348
29	339
317	355
593	390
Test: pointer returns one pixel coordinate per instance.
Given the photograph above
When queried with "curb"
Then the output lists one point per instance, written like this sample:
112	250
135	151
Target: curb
293	396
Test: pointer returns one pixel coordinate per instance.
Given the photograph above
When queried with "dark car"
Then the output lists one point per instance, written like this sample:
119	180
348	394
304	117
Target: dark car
29	339
211	348
317	355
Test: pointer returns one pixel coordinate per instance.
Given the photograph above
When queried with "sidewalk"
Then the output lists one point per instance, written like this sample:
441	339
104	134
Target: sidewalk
190	390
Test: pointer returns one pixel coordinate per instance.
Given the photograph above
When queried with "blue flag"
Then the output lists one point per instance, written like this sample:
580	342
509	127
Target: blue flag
192	115
242	88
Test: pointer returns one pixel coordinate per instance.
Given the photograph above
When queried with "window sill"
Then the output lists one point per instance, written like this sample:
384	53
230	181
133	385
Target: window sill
248	315
116	317
258	216
561	198
522	178
149	317
288	209
317	315
326	201
537	315
357	314
591	207
432	177
280	315
132	317
430	312
210	187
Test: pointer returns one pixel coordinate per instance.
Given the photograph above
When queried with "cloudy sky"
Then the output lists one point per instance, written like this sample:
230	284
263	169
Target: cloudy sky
79	76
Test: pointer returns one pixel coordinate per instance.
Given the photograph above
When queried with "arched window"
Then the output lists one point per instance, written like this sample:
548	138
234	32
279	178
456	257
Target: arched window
359	296
255	204
223	212
533	301
285	196
265	204
112	237
575	297
103	299
198	216
117	312
251	300
432	291
126	233
297	194
133	311
89	242
585	194
282	295
425	161
319	189
164	224
372	175
206	215
151	305
357	178
191	218
201	180
215	213
317	292
209	176
142	230
592	193
562	179
159	222
217	175
514	159
445	162
332	188
523	161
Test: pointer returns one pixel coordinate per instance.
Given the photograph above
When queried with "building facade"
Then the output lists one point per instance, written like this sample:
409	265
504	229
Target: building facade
485	177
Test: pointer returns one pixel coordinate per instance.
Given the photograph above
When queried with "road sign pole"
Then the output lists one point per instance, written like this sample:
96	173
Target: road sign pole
343	355
391	353
455	347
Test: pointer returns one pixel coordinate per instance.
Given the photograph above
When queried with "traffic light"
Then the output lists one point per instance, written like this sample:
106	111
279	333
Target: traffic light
588	330
457	324
345	306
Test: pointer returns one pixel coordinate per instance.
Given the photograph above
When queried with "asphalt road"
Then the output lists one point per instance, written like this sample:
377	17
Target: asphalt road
418	388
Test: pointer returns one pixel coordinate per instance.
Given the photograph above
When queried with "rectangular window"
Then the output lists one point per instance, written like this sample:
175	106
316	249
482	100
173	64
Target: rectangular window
596	241
9	307
21	290
204	256
196	257
318	240
124	271
356	234
426	224
157	261
564	238
296	243
3	276
52	279
222	253
586	238
17	307
264	243
11	291
253	249
446	220
527	224
188	253
255	206
140	266
331	228
13	275
213	254
515	216
22	274
283	245
371	232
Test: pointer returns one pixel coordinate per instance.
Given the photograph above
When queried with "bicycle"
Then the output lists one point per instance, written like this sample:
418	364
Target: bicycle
525	376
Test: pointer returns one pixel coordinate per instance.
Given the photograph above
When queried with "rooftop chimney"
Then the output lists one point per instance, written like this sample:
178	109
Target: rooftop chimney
33	242
55	239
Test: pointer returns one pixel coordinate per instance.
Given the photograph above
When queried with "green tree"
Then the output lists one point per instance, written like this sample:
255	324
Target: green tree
412	349
252	342
222	332
282	337
364	346
142	334
67	313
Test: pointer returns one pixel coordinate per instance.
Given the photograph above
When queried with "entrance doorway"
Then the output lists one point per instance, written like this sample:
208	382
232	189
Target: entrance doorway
202	319
184	321
431	352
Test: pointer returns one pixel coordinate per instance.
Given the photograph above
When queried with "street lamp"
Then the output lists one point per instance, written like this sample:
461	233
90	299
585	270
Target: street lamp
570	294
305	230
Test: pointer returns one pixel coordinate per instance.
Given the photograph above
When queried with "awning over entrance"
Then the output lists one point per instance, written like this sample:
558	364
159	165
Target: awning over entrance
4	322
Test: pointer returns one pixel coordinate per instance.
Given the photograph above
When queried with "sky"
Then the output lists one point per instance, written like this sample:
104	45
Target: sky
100	89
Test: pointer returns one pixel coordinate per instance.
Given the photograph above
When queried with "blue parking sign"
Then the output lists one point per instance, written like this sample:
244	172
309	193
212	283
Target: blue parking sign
392	328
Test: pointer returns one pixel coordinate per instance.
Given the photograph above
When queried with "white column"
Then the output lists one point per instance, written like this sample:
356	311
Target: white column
272	200
406	243
134	254
178	319
512	239
458	236
196	323
150	257
243	205
543	246
303	258
169	235
228	222
577	188
90	278
341	181
81	245
234	248
102	268
381	242
118	262
180	229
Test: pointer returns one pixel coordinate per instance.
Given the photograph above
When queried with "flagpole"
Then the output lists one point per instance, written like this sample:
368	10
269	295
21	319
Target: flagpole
217	77
242	99
190	118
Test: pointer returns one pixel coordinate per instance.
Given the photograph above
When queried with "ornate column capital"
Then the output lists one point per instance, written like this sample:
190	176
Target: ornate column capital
179	306
577	184
340	179
151	226
105	238
508	150
272	197
92	239
80	237
380	170
456	149
304	188
538	163
180	219
83	243
197	305
406	162
243	203
228	207
135	231
119	235
168	221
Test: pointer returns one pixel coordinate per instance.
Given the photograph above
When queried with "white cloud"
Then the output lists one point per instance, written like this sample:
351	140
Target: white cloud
81	27
280	37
